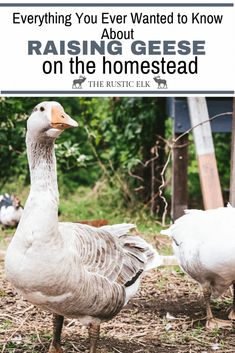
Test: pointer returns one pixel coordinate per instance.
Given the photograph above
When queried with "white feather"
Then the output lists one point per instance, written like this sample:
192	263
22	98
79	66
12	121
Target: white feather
119	229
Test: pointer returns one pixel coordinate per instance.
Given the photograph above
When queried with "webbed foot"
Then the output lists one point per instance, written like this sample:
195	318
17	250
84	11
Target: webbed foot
231	315
214	323
54	349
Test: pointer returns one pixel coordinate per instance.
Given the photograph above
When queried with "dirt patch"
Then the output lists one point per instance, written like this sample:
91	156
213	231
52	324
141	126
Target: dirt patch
167	316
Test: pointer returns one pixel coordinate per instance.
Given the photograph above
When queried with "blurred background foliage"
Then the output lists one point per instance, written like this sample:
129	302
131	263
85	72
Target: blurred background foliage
119	141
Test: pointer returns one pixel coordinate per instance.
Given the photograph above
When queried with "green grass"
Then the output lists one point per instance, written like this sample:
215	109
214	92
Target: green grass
100	202
5	325
2	293
161	283
5	234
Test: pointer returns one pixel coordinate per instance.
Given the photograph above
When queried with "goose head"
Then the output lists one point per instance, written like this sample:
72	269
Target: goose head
48	119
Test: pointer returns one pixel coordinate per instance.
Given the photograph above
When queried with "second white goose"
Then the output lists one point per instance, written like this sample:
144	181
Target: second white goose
204	244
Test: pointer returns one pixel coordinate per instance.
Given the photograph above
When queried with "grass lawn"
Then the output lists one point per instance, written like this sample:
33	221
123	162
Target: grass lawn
85	203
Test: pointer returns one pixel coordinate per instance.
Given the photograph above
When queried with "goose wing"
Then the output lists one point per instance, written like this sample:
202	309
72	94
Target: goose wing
108	263
110	252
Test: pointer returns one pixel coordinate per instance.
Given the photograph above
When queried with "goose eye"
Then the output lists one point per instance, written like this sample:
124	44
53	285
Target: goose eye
42	109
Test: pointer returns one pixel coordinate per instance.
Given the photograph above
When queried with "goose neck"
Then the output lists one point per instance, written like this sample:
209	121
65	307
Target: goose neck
42	164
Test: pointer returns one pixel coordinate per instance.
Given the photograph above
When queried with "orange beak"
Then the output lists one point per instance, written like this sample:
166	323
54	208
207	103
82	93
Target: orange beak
60	120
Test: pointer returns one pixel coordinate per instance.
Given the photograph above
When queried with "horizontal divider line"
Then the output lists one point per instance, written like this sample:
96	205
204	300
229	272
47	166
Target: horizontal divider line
81	92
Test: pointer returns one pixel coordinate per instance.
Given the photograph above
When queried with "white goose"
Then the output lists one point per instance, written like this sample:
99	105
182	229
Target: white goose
72	270
204	243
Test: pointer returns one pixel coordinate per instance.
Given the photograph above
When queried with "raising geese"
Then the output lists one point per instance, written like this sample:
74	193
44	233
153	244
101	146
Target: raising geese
204	243
73	270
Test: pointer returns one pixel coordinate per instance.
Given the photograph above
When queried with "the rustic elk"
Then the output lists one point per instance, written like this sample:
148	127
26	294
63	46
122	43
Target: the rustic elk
78	82
161	82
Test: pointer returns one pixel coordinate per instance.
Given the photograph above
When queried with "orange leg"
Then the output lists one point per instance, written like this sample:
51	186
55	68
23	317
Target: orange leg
212	322
94	332
232	312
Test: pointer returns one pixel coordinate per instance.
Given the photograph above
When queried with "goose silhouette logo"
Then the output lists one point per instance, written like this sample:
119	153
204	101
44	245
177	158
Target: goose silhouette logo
77	83
161	82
